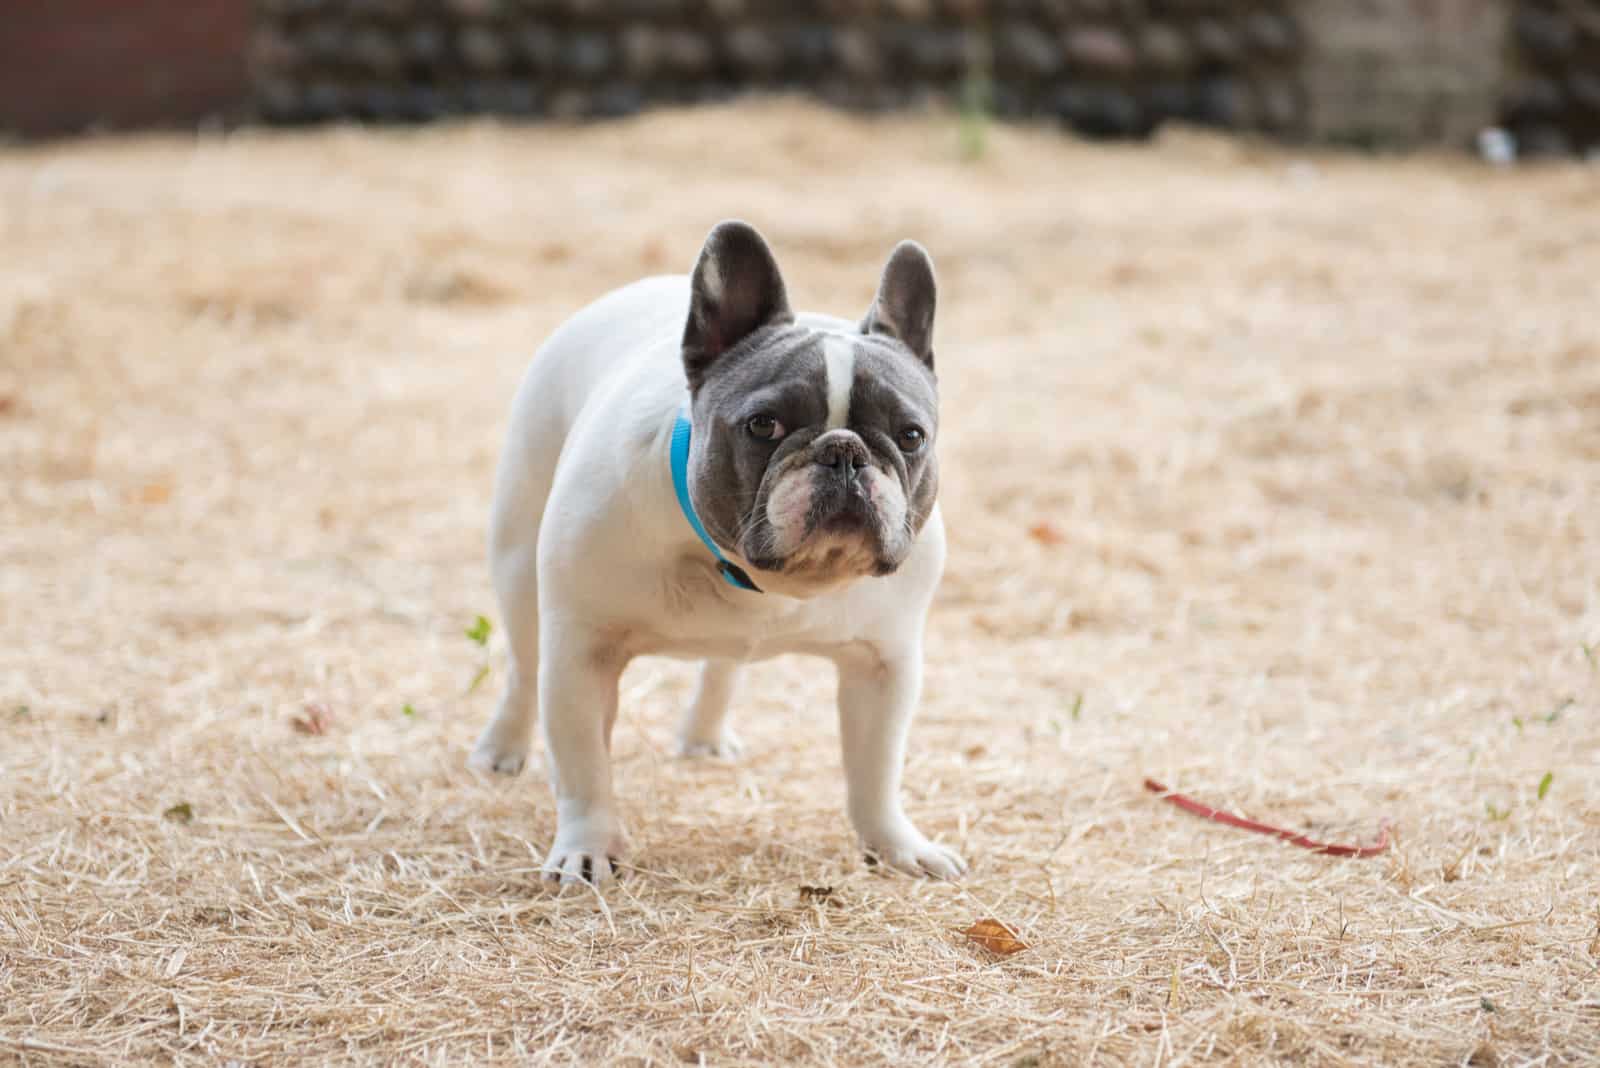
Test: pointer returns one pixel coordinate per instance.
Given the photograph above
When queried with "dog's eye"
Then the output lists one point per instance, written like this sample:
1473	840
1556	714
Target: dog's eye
910	439
765	428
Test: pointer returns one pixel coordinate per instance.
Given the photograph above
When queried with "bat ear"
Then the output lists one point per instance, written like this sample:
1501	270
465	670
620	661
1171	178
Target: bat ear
905	303
735	290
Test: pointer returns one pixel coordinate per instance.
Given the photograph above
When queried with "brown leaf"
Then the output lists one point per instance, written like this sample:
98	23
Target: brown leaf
7	402
1045	533
155	493
996	937
316	720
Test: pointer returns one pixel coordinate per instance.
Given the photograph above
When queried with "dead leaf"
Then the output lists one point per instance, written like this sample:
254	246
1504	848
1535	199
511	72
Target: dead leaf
1045	533
155	493
7	402
182	812
816	893
316	720
996	937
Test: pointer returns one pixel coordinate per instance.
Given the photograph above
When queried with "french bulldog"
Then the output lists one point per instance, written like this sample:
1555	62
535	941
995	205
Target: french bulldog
694	470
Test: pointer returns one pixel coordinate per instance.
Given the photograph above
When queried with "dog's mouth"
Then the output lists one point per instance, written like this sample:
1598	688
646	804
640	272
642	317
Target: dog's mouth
842	508
840	534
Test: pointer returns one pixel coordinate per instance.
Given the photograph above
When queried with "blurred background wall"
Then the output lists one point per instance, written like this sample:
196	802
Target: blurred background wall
1371	72
70	65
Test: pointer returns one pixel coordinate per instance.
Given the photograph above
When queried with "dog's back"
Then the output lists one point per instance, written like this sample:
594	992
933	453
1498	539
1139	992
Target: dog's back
604	340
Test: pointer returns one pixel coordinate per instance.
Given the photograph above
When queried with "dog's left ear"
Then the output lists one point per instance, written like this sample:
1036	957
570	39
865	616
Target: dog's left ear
735	290
906	296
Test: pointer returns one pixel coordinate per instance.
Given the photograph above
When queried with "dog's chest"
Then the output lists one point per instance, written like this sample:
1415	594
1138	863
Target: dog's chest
699	617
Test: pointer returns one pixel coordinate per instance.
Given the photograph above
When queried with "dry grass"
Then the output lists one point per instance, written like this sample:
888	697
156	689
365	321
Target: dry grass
1320	439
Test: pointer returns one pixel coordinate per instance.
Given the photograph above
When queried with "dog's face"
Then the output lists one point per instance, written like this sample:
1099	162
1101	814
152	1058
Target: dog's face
812	455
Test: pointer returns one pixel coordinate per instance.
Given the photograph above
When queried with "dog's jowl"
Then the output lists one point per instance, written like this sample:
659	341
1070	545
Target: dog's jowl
696	470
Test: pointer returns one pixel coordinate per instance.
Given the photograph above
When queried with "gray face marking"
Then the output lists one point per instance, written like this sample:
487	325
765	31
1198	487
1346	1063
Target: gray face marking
796	505
833	494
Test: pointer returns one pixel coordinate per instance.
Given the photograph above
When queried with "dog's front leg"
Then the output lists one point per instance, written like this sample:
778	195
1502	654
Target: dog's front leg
578	698
878	692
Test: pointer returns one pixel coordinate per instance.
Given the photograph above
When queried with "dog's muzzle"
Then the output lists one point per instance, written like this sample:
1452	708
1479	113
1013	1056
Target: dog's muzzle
839	499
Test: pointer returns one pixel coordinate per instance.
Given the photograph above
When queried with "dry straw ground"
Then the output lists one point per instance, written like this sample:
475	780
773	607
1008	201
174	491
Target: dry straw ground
1272	475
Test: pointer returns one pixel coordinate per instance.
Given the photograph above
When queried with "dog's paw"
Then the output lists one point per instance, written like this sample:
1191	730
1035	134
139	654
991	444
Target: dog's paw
725	746
498	755
905	849
579	867
589	856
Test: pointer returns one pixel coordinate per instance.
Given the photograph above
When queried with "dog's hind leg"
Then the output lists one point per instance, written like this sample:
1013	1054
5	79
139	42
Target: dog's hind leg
521	490
703	731
503	745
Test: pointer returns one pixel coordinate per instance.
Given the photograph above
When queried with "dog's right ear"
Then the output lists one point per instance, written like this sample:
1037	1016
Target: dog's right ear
735	290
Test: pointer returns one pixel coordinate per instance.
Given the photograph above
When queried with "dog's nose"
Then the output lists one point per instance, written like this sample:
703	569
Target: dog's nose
836	455
841	452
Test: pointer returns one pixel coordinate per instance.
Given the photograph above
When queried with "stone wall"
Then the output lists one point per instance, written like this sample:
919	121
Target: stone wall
1552	104
1402	72
1370	72
1106	67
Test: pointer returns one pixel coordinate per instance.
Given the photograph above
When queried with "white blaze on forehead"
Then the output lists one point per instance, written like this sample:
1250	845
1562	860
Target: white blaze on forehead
839	358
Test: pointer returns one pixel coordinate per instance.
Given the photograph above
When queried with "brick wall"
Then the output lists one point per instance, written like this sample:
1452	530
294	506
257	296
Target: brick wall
67	65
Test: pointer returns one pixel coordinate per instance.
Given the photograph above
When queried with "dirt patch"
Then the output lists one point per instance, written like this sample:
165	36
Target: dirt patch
1275	477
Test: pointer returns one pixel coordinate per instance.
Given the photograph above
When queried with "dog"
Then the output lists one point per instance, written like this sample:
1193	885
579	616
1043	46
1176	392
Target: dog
694	470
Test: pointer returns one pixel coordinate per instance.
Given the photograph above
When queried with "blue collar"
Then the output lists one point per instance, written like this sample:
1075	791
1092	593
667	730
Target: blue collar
680	482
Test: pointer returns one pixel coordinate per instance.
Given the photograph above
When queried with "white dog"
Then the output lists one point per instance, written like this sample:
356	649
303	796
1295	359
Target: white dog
695	471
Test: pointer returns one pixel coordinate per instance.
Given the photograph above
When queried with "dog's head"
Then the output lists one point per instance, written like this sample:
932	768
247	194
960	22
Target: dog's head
813	455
